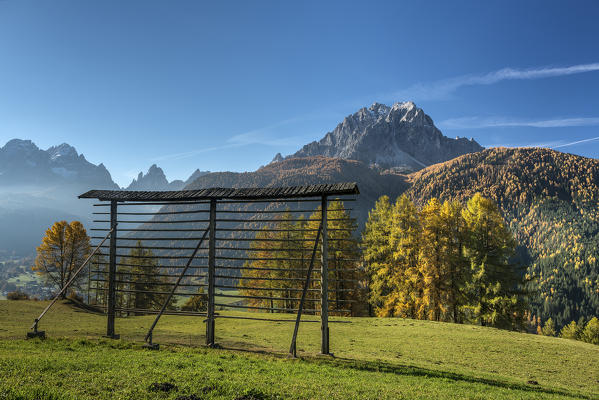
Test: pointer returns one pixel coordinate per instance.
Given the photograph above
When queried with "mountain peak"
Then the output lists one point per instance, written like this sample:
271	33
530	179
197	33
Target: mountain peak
405	105
20	145
62	150
154	179
278	157
379	109
23	163
398	136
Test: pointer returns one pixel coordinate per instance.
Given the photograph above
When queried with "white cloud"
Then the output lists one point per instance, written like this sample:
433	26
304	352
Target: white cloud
499	122
272	136
440	90
267	136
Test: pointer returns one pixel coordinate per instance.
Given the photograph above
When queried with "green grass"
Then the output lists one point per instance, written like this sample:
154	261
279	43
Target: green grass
374	358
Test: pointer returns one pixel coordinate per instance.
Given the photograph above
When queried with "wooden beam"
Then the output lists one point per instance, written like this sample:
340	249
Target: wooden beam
324	282
110	331
211	275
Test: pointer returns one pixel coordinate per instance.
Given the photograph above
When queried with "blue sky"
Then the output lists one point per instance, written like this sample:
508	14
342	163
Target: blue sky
227	85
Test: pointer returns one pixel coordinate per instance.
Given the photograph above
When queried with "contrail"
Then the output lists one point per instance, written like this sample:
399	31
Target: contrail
443	88
576	142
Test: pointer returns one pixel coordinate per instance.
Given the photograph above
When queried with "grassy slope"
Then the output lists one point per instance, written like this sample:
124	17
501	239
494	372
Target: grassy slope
416	359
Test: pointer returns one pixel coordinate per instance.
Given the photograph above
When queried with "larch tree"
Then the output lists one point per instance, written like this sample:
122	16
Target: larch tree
445	262
456	270
377	251
62	251
496	296
257	274
143	280
344	255
432	261
406	299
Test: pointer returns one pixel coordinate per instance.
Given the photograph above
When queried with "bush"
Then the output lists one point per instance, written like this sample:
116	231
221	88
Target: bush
590	334
549	328
196	303
570	331
75	297
17	295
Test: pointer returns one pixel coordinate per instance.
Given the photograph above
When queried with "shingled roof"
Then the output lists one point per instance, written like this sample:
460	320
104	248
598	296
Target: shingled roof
274	193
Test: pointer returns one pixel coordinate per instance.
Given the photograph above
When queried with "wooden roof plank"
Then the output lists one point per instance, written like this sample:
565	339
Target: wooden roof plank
274	193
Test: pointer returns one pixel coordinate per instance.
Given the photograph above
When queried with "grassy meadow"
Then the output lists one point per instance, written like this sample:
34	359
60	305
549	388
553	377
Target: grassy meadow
374	358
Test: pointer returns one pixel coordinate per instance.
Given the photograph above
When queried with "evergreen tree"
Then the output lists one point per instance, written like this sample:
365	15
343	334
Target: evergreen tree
496	297
457	269
142	281
570	331
344	254
282	252
549	328
377	251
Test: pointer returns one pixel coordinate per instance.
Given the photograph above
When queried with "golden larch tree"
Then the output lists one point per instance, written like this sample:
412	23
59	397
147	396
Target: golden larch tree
64	248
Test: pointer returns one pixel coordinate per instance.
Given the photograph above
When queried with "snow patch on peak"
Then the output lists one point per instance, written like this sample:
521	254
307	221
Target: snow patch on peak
62	150
378	109
405	105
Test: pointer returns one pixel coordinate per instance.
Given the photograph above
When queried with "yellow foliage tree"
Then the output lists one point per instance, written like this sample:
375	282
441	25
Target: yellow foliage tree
64	248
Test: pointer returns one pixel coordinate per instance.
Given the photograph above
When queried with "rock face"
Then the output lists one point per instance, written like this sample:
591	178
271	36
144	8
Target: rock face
401	136
39	187
23	163
155	179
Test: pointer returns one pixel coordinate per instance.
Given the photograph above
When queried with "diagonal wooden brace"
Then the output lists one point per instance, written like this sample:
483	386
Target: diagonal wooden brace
148	337
42	334
292	348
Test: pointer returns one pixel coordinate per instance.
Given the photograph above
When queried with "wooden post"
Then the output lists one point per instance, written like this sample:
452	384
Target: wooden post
211	279
112	272
324	282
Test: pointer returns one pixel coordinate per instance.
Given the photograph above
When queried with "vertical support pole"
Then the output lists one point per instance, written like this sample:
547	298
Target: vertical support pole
89	283
324	281
211	279
112	272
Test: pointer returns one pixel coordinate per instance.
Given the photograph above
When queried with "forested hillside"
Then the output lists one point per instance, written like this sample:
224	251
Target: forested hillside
310	171
550	200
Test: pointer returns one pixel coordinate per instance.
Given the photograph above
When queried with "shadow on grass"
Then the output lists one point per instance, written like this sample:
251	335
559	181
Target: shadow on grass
406	370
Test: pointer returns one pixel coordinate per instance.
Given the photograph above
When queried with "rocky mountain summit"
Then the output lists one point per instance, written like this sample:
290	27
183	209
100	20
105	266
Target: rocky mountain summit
23	163
401	136
155	179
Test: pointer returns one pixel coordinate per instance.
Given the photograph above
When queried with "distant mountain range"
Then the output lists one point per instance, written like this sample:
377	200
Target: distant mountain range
39	187
401	137
23	163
